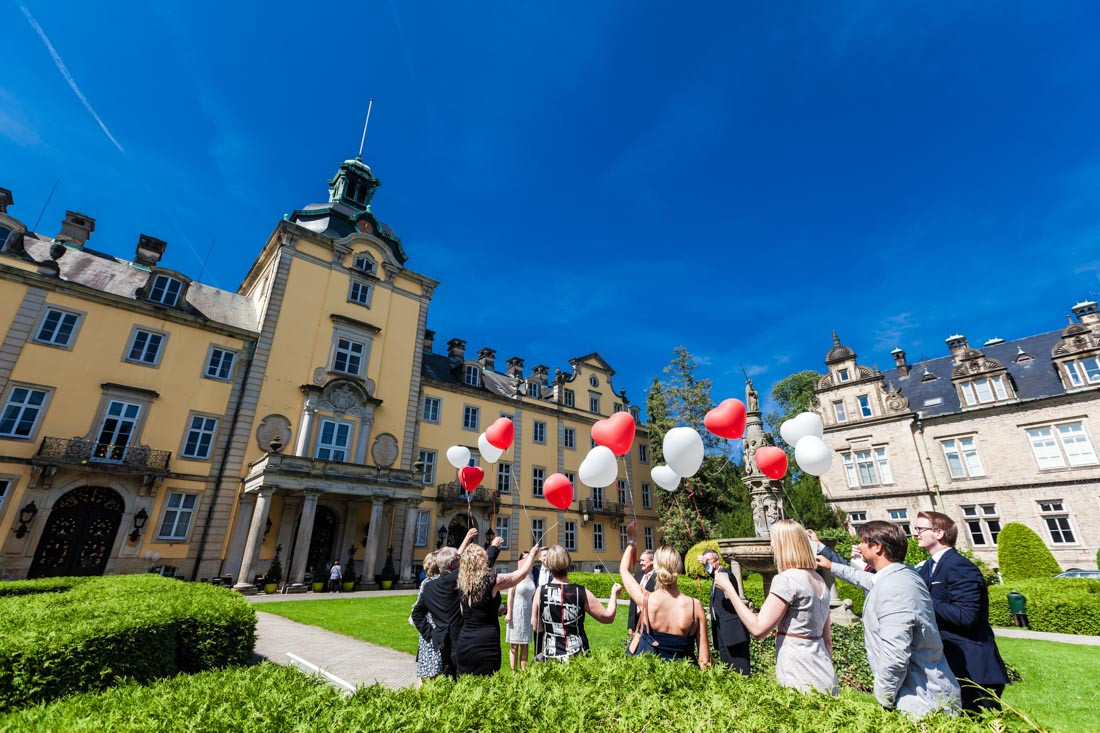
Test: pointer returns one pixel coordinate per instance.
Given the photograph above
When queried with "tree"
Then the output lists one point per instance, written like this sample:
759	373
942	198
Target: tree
1022	554
682	399
803	498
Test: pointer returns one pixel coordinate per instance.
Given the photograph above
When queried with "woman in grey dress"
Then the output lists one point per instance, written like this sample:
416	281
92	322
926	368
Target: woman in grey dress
798	607
518	620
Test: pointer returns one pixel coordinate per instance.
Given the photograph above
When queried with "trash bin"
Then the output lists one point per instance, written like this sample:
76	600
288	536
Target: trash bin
1017	606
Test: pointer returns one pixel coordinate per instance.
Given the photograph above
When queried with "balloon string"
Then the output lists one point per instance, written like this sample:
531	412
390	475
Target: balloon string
515	478
720	468
629	489
699	514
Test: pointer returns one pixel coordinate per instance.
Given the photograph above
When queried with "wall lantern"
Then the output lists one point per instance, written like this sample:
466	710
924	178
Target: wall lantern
139	523
442	534
26	515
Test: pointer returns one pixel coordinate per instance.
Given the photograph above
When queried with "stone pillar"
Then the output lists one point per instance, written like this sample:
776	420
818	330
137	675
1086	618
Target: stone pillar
363	438
255	539
286	529
351	536
305	534
305	426
407	539
235	553
370	562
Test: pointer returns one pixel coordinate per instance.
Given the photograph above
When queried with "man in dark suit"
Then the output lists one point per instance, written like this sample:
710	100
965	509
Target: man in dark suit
961	602
648	580
731	641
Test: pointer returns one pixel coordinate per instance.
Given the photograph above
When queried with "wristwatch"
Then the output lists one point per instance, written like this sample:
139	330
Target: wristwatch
631	543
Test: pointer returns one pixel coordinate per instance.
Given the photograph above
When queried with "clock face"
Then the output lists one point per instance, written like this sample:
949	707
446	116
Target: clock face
364	226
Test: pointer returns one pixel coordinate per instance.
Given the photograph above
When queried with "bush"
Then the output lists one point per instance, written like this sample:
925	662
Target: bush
604	691
105	629
692	568
1021	554
1058	605
40	585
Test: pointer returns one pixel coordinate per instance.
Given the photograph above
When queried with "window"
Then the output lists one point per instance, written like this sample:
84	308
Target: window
539	435
597	497
427	466
569	398
867	468
569	437
621	484
842	375
982	391
348	356
569	541
360	293
594	380
1083	371
643	453
864	405
623	538
504	477
593	403
597	536
962	458
983	523
471	417
5	484
177	516
532	389
165	290
364	263
57	328
333	441
1057	520
616	407
850	470
117	430
21	412
647	501
200	436
472	376
503	530
430	413
536	531
145	347
856	518
901	516
538	475
1058	445
219	365
571	476
423	527
838	410
649	538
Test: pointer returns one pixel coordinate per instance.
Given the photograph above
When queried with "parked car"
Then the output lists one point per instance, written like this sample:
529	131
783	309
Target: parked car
1095	574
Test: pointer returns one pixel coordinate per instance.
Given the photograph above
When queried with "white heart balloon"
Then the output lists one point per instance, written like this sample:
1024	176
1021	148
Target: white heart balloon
683	450
458	456
665	477
812	455
488	451
801	425
598	469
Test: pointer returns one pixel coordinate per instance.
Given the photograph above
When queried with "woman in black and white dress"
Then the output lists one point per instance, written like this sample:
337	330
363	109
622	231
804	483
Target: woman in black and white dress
429	662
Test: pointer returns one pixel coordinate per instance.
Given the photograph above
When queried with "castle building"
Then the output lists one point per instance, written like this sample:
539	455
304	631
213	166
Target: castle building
1002	433
147	419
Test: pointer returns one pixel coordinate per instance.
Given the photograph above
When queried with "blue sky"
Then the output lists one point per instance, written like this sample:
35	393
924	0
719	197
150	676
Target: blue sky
621	177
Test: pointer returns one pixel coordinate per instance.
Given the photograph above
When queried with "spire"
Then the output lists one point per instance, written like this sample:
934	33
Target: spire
836	339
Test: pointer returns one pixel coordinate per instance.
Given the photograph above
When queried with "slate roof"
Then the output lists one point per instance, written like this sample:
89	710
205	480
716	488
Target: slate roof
440	367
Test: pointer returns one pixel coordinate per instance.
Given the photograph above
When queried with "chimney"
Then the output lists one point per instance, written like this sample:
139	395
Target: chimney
488	359
515	367
5	200
540	373
429	340
957	344
456	350
900	363
149	250
1087	314
76	229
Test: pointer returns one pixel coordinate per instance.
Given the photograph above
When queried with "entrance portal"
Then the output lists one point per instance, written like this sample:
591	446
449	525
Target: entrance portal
456	530
324	537
79	534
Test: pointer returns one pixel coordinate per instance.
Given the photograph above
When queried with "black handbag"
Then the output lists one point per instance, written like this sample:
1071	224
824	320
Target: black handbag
642	641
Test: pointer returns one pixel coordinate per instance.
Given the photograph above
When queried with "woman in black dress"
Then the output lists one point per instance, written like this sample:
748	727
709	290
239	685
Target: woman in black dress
478	649
560	607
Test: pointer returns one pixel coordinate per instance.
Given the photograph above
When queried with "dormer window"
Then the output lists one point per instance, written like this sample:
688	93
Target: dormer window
166	290
472	376
842	375
532	389
984	391
364	263
1083	371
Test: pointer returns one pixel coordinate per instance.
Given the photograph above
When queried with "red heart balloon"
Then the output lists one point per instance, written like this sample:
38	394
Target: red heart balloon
470	478
771	460
558	490
616	433
501	433
727	420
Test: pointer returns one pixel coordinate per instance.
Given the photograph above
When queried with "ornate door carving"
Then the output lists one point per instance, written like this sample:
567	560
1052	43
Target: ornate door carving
79	534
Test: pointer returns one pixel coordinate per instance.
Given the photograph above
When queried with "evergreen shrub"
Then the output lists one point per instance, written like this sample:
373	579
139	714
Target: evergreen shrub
105	629
1057	605
1022	554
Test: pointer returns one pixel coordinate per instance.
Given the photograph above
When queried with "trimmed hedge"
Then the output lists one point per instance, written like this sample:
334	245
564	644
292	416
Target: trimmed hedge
1058	605
604	691
692	568
102	630
1022	554
41	585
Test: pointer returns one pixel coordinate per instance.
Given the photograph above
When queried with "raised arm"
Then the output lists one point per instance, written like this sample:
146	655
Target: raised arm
596	609
847	573
759	625
470	534
510	580
633	589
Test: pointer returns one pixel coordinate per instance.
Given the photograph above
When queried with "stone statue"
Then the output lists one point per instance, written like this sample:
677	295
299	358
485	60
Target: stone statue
752	399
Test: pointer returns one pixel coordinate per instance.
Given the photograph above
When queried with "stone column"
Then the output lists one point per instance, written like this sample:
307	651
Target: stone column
255	539
407	539
233	556
305	426
305	534
351	536
370	562
363	438
286	529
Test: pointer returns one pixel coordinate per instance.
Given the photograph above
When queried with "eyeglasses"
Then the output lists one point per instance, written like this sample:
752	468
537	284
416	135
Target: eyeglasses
917	530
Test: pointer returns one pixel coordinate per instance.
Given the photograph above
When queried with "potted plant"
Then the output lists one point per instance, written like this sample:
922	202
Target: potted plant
274	573
388	573
349	571
320	574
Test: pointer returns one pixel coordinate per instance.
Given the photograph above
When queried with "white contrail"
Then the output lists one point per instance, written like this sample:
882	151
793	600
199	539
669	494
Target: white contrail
65	73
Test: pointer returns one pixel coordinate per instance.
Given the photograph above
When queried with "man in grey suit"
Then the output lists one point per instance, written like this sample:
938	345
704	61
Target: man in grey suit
903	643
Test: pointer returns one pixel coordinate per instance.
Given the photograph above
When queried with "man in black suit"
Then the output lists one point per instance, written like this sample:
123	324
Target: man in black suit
961	602
647	579
731	641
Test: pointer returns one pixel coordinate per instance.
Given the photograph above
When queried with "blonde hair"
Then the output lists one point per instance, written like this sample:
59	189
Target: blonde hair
431	566
791	546
557	560
669	565
473	573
